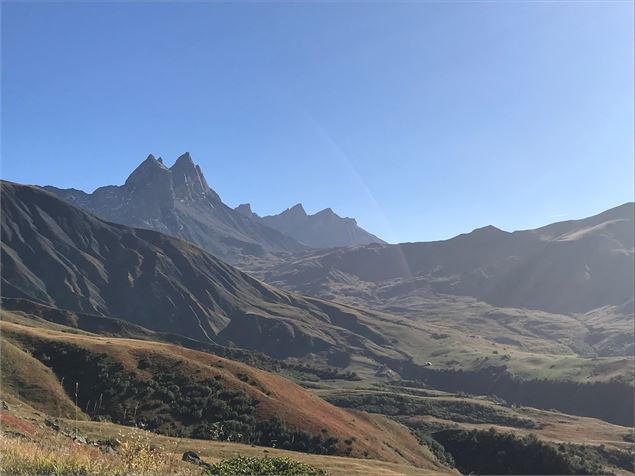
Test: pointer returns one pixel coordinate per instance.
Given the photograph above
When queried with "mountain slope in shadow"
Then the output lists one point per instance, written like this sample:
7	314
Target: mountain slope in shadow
59	255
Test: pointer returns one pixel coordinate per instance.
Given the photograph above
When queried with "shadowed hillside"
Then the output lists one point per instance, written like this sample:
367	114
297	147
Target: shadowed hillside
61	256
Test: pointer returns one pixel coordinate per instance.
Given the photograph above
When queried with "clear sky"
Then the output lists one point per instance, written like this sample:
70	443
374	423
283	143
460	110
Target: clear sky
422	120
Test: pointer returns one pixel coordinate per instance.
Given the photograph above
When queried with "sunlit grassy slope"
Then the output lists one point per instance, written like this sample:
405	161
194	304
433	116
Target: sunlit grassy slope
358	434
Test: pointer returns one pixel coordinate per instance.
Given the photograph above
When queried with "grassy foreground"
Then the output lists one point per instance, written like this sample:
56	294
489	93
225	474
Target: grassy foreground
62	456
21	457
133	457
28	446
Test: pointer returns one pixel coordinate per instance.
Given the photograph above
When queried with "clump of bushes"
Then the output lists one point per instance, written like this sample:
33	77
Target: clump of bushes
455	410
274	466
22	457
140	457
435	448
274	433
491	452
170	401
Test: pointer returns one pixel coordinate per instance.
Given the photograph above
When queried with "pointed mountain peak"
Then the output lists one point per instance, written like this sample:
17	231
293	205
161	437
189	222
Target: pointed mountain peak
327	212
184	160
328	215
488	231
189	181
146	171
245	210
296	209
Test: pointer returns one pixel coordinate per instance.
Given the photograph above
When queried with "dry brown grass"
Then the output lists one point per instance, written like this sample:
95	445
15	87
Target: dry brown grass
146	454
60	456
21	457
375	436
216	451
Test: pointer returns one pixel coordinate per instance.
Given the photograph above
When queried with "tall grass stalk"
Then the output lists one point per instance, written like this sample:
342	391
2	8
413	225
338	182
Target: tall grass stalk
76	407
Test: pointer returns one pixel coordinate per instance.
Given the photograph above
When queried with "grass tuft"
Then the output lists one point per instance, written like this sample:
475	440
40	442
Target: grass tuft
22	457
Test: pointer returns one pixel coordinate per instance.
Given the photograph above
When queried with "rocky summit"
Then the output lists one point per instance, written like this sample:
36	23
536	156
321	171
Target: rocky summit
178	201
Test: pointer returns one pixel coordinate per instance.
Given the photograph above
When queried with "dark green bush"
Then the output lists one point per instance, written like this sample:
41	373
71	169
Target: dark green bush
274	466
436	448
491	452
455	410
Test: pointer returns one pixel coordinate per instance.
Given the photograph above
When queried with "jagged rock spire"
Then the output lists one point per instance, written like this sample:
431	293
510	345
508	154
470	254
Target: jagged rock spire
148	171
245	210
296	209
188	179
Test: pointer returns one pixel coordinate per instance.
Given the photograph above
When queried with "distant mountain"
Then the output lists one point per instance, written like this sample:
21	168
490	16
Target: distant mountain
566	267
178	201
324	229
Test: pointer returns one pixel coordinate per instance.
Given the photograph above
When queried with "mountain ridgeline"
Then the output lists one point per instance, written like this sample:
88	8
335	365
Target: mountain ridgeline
178	201
324	229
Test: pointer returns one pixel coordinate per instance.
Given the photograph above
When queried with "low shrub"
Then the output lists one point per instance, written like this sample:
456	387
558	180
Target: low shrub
274	466
435	448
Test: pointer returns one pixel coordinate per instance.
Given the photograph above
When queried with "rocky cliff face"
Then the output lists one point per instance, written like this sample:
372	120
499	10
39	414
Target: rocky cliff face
188	181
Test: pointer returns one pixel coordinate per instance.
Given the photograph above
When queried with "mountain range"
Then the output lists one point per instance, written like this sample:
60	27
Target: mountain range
178	201
324	229
60	256
567	267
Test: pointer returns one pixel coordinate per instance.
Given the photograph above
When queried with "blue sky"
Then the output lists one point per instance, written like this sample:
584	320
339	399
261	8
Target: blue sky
422	120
